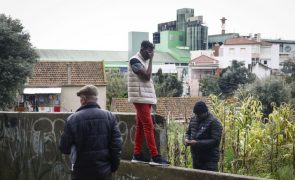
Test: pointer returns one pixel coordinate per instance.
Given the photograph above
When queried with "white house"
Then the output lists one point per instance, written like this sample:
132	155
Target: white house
54	84
261	71
287	48
250	51
195	54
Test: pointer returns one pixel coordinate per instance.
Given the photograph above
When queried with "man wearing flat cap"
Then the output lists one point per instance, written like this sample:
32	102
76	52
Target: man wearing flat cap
93	139
203	136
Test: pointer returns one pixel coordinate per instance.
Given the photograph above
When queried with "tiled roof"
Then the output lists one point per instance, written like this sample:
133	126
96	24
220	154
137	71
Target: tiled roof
264	43
239	41
121	105
168	107
244	41
67	73
203	60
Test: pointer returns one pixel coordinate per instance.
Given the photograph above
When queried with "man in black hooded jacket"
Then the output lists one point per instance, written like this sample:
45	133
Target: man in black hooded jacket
93	139
203	136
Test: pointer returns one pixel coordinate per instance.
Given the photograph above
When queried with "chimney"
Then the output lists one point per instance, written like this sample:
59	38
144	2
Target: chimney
223	19
216	50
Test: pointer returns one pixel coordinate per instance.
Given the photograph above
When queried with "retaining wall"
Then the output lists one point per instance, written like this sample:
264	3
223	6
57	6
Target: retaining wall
29	150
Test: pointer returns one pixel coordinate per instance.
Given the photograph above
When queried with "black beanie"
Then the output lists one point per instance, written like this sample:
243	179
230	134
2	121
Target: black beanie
200	107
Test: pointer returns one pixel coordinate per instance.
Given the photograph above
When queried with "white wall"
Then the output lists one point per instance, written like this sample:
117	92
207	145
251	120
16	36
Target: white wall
261	72
266	52
275	56
272	55
235	52
70	102
245	53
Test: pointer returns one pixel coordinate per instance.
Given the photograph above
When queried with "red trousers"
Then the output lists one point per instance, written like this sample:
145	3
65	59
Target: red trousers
144	128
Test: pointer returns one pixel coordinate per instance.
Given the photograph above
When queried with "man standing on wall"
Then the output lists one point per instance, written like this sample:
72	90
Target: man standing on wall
203	135
142	94
92	135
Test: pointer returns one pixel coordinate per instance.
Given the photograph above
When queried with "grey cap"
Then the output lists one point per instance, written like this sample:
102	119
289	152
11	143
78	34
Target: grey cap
88	90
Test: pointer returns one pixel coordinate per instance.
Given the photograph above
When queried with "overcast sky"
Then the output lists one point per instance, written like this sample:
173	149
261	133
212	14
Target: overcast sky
104	24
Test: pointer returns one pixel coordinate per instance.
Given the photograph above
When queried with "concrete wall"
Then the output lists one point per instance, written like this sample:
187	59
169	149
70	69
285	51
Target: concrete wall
29	150
127	128
131	171
29	144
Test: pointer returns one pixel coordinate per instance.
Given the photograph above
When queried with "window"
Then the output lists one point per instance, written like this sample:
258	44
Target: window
243	50
265	62
232	51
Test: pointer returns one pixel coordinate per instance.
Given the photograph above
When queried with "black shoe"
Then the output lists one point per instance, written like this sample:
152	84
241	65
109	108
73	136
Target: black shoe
140	159
159	161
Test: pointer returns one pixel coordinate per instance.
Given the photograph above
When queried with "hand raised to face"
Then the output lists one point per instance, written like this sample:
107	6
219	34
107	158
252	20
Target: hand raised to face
147	53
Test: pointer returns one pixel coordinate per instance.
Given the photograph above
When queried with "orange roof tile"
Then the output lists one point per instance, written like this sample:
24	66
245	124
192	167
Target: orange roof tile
168	107
56	73
121	105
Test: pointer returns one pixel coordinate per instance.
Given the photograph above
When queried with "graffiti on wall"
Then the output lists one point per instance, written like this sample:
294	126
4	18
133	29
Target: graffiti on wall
128	132
29	148
29	145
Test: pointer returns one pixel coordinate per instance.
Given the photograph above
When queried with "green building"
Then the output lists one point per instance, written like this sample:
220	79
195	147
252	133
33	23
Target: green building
173	42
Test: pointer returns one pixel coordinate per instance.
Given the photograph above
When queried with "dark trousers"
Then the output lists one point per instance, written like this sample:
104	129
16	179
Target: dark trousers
76	176
204	165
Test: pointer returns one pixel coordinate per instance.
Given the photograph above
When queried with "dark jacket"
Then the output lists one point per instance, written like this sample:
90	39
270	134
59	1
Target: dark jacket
207	133
96	136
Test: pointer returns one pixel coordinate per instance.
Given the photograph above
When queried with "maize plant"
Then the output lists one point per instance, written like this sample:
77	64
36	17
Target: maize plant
251	144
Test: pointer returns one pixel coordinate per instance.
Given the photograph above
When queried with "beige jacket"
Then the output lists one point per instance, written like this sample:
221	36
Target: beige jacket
139	90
